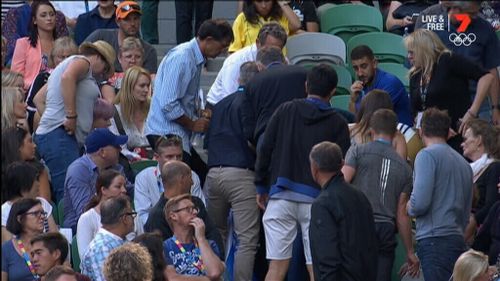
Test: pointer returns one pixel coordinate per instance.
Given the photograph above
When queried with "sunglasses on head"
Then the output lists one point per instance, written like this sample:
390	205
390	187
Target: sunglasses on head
128	7
167	138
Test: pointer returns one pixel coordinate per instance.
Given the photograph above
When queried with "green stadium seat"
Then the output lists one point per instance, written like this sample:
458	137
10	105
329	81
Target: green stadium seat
344	76
397	70
347	20
141	165
387	47
345	80
326	48
321	9
75	257
341	101
498	34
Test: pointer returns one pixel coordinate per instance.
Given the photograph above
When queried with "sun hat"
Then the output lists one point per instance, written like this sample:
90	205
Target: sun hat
105	50
102	137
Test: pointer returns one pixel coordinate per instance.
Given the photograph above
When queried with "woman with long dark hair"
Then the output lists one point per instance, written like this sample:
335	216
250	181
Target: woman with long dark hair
110	184
31	54
18	145
255	14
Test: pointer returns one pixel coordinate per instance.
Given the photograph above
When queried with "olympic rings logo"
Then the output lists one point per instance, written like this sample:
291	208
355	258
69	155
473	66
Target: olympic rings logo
462	39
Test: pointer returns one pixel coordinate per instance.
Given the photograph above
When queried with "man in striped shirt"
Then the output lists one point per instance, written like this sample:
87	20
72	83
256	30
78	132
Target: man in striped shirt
176	107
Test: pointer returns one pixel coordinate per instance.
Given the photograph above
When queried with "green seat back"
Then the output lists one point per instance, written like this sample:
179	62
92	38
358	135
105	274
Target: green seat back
397	70
60	212
347	20
341	101
75	257
498	34
141	165
387	47
345	78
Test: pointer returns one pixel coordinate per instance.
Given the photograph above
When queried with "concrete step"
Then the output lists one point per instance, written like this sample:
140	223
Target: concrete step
207	78
216	63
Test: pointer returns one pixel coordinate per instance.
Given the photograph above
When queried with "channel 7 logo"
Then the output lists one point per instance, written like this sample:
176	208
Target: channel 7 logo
461	37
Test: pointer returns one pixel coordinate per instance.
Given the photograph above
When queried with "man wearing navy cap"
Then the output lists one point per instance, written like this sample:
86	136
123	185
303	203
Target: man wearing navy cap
102	149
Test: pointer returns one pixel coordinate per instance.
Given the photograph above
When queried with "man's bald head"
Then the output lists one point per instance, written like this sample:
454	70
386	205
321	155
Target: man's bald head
173	171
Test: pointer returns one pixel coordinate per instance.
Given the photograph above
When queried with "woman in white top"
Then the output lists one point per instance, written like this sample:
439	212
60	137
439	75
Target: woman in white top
132	104
21	181
110	183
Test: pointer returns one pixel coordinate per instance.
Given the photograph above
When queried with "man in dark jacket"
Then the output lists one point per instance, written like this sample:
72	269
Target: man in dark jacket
282	172
342	228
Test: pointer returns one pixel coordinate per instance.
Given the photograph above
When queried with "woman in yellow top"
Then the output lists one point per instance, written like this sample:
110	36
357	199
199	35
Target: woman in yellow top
255	14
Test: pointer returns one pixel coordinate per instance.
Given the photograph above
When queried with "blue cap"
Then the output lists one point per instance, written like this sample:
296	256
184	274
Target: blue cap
102	137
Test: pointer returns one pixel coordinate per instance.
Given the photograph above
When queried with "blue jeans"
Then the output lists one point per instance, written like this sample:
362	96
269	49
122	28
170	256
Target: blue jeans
438	256
58	150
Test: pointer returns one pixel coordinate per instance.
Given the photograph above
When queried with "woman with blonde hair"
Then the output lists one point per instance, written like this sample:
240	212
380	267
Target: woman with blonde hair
12	79
439	78
13	108
131	53
132	104
472	266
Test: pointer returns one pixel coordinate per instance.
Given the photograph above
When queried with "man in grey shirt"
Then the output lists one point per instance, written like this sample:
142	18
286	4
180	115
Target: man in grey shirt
376	169
128	19
441	199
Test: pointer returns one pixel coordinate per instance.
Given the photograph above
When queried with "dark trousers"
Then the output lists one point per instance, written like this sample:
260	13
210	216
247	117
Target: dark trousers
193	160
184	10
438	256
149	22
386	240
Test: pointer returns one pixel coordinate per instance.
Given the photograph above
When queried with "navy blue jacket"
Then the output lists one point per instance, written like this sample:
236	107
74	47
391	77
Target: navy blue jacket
226	143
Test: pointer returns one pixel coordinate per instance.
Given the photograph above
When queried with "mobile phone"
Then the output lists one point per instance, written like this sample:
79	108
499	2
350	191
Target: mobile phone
414	17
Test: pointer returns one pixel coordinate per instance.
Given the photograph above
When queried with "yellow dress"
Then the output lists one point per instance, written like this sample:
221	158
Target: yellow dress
246	33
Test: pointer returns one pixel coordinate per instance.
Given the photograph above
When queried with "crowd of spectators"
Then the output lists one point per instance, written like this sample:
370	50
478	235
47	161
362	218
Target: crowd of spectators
293	187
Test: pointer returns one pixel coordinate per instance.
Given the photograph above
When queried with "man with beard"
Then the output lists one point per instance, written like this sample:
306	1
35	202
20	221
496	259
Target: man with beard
128	19
369	77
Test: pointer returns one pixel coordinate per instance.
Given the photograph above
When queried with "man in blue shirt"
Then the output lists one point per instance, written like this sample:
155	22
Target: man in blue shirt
441	199
102	151
230	178
370	77
102	16
176	106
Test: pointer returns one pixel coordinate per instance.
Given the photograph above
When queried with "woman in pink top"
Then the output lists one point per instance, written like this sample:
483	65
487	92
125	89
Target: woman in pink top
31	54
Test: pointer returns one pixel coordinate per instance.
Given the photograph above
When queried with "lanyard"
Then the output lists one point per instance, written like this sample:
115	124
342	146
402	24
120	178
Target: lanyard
198	264
27	258
384	141
423	91
158	181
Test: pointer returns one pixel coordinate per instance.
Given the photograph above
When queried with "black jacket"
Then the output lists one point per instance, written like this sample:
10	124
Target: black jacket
342	234
266	91
295	127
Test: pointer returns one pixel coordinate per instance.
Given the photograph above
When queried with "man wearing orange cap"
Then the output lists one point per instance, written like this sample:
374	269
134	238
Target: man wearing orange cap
128	19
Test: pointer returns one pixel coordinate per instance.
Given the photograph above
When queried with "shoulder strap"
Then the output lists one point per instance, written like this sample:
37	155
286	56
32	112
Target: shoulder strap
118	122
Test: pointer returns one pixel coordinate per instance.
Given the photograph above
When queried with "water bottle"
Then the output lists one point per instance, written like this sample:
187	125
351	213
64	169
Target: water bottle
406	32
